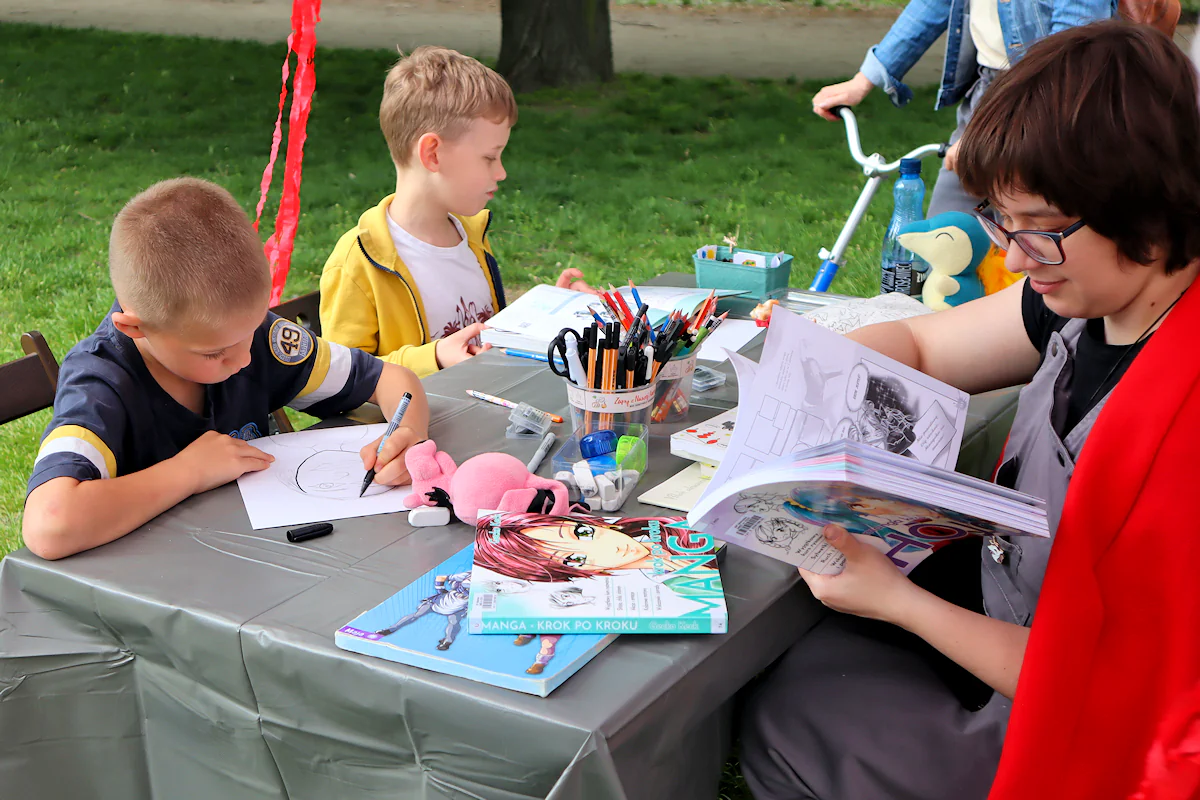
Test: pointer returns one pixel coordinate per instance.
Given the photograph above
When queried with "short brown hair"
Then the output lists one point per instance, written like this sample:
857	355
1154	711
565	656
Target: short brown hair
1102	122
438	90
183	252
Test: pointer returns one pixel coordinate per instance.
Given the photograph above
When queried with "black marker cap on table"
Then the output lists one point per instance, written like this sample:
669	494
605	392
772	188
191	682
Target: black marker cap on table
307	532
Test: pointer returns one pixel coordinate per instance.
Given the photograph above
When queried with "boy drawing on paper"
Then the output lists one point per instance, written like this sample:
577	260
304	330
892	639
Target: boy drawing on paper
156	404
415	281
1088	151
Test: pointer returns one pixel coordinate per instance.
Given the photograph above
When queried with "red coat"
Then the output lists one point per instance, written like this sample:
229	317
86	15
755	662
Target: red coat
1116	636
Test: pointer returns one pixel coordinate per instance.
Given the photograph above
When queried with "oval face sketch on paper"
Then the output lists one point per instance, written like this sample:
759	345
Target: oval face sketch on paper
333	474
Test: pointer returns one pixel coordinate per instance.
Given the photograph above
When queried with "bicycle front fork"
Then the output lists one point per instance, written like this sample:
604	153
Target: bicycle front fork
833	259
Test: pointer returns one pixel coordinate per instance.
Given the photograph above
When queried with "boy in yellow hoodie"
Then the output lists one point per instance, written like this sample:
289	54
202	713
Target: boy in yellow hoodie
415	281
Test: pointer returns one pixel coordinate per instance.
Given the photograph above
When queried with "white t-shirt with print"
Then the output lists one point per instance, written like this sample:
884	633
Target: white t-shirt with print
449	279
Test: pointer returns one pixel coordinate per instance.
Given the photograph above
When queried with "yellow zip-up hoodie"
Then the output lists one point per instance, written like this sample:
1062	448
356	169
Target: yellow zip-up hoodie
370	301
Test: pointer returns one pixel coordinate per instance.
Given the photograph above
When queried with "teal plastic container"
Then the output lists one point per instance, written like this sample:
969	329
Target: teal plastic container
758	281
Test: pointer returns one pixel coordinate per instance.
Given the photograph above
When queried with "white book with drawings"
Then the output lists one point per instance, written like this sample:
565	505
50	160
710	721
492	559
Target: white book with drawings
814	386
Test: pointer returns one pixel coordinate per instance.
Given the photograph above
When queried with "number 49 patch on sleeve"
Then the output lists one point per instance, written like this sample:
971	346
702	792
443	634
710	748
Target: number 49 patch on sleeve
290	344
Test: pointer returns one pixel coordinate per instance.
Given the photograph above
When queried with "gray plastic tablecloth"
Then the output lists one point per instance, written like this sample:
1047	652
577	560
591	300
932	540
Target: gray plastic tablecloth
194	658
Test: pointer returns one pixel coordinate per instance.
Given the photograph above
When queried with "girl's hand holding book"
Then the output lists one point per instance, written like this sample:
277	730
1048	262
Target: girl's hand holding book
869	585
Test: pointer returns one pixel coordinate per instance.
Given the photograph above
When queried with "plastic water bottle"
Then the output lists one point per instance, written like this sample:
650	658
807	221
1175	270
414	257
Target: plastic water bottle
903	271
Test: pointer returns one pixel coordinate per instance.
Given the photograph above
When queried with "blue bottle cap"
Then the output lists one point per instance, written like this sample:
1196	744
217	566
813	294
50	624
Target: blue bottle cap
910	166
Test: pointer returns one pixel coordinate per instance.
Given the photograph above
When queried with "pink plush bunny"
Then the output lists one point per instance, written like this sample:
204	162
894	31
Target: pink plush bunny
489	481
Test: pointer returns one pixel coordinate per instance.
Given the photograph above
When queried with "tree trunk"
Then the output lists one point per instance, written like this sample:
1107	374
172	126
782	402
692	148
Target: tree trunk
554	42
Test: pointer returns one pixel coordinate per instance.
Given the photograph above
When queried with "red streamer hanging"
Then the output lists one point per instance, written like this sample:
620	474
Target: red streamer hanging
302	41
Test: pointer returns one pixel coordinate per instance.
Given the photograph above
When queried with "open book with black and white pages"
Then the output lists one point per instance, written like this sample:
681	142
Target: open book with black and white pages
814	386
533	320
904	508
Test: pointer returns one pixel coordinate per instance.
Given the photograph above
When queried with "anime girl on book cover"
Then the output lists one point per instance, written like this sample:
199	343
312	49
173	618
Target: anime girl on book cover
543	549
449	600
907	532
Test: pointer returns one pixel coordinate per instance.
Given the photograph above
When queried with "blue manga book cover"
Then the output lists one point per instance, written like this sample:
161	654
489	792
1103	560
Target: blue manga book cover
422	625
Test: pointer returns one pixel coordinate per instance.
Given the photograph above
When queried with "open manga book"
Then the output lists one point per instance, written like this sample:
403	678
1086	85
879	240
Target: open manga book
814	386
829	431
583	574
902	507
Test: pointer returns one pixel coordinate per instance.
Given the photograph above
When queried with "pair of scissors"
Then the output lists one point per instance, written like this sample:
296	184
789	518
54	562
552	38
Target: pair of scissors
562	364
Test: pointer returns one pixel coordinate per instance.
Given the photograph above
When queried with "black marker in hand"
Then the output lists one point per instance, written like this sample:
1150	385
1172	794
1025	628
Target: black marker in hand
391	428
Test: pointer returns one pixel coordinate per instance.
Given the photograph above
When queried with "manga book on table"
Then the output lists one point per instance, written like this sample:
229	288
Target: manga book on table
587	574
422	626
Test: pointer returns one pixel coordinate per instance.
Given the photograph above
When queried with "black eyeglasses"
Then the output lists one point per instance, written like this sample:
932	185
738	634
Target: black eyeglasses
1044	247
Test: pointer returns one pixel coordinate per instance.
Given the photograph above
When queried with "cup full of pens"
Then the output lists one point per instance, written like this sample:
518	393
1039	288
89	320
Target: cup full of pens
673	390
612	367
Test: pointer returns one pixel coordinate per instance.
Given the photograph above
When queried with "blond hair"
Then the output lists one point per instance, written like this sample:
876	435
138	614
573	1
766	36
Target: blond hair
438	90
184	253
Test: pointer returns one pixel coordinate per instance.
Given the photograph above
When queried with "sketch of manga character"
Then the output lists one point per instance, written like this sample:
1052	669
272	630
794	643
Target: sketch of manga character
755	503
778	532
572	596
888	419
504	587
450	601
545	653
332	473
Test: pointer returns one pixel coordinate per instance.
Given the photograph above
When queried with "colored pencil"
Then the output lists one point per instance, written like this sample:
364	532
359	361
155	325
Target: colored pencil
500	401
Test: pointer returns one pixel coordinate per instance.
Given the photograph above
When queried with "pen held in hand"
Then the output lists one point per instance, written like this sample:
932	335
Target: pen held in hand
391	428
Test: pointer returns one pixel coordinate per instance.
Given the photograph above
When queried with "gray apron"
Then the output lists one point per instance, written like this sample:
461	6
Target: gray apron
851	713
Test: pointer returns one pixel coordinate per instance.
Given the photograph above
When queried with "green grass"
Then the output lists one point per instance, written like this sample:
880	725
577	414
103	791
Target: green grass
622	180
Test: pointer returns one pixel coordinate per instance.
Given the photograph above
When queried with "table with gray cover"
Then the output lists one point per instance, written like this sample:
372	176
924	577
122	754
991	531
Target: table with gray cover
194	658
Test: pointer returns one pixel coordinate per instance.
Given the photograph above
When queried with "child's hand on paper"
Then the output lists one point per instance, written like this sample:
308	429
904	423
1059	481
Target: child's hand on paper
869	585
460	345
216	458
390	468
572	278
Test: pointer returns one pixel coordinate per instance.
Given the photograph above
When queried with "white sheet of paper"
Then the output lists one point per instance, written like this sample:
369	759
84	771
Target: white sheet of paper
316	477
813	386
679	492
743	368
733	334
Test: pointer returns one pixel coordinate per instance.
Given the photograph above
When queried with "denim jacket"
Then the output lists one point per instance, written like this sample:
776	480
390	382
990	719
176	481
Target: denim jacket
1023	22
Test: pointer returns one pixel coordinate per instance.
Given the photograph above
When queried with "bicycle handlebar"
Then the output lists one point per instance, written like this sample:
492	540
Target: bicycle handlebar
874	164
